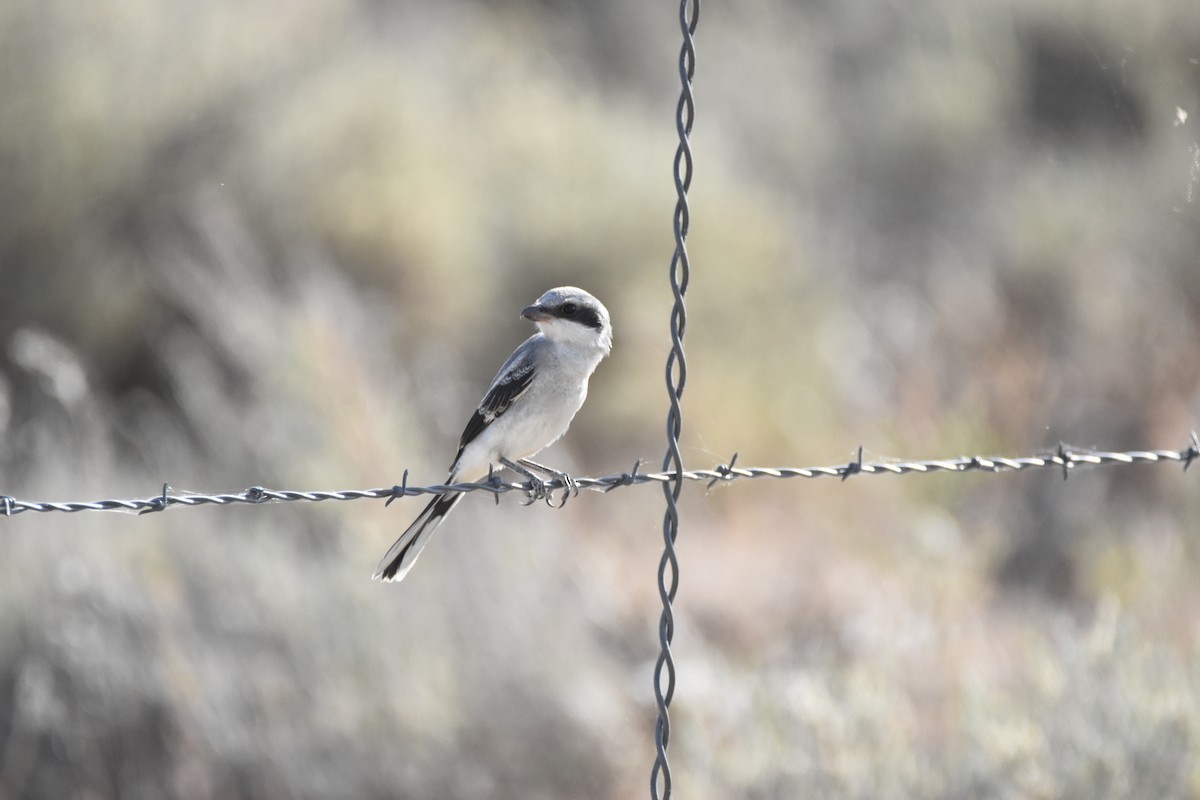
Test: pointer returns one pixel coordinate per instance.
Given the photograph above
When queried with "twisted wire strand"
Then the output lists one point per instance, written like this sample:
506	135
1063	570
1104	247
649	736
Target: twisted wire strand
1064	458
676	378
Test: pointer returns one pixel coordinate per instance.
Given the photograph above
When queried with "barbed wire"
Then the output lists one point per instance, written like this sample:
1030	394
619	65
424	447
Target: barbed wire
1065	457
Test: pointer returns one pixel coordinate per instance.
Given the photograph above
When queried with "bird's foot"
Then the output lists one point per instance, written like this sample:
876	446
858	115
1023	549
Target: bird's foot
539	488
569	485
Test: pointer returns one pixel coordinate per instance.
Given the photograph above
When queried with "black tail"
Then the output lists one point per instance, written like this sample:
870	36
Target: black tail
403	554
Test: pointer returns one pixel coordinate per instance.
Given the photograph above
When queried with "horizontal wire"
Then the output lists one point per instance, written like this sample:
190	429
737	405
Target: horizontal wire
1065	458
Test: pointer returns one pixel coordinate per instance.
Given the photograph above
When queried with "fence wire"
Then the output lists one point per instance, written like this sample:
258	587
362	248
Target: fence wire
1065	458
676	375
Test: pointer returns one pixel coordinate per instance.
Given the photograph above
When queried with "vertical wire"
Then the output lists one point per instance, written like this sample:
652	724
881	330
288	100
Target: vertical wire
676	376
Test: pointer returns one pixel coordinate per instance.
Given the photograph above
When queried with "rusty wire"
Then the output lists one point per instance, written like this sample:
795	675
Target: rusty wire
1064	458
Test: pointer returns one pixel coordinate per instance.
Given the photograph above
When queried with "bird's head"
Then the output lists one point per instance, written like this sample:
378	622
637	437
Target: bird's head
573	316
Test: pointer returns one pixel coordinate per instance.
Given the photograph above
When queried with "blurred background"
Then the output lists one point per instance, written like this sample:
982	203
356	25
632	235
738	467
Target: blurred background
286	244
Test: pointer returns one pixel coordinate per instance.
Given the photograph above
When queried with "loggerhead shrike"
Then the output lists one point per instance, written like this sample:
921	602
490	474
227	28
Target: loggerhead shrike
528	407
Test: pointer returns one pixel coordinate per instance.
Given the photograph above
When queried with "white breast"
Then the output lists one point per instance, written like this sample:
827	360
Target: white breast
539	417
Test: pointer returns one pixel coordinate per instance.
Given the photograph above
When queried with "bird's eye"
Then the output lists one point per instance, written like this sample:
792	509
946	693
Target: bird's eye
569	309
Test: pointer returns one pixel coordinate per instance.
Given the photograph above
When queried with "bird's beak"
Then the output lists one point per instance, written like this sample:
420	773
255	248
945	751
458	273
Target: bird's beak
535	314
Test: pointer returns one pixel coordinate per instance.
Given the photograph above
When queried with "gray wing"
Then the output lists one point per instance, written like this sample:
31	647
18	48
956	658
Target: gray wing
512	381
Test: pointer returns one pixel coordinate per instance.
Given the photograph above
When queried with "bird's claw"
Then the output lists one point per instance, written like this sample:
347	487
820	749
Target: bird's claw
570	489
570	486
566	495
541	489
538	490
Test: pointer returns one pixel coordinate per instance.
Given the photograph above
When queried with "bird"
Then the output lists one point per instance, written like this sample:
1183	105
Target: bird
528	407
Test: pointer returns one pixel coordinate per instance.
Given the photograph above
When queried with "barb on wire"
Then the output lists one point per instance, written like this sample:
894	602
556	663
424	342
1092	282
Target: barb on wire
725	470
402	489
160	503
854	467
1065	457
626	478
1193	451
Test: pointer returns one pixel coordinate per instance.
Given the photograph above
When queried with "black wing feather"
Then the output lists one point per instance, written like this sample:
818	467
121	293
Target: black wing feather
512	382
